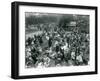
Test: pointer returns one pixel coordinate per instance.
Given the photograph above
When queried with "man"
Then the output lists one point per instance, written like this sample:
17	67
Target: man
58	58
29	41
50	42
34	54
80	59
46	60
57	48
40	40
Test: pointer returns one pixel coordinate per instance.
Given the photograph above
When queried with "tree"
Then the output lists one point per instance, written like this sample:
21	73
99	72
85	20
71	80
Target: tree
82	22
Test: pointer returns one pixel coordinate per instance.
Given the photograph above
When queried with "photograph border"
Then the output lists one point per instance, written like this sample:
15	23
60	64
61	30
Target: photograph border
15	39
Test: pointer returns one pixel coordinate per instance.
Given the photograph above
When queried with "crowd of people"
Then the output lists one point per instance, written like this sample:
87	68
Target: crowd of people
57	47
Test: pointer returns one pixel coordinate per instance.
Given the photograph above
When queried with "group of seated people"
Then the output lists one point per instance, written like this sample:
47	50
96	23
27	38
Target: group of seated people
58	48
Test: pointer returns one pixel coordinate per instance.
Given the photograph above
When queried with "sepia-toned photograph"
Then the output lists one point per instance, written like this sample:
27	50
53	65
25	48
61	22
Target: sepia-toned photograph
56	40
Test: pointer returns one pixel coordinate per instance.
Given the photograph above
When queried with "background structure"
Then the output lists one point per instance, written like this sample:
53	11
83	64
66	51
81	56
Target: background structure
5	40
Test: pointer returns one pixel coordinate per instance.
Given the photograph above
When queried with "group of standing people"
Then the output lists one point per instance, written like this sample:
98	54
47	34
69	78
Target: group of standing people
57	48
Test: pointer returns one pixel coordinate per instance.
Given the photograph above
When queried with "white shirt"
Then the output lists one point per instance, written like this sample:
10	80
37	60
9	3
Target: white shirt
79	58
